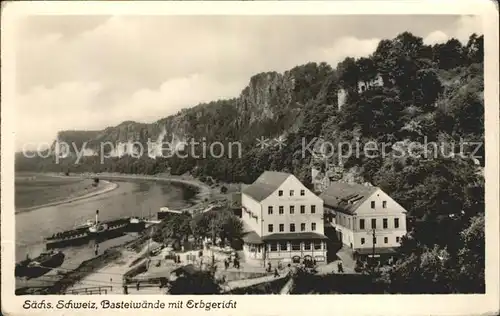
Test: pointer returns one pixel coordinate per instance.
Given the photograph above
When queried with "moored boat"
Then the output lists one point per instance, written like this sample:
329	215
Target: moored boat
94	230
32	268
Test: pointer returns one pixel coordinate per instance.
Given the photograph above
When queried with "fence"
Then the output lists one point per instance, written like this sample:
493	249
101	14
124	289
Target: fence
91	290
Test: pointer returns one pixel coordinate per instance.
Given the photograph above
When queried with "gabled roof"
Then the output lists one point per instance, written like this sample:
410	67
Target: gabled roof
346	197
265	185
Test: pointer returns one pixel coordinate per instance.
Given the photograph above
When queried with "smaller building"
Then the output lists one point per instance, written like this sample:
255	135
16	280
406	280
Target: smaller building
366	219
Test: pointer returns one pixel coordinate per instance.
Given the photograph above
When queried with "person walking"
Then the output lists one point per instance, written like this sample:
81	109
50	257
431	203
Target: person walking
125	289
276	273
340	269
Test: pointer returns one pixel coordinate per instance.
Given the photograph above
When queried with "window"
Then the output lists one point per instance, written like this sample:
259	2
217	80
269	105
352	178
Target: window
361	224
374	240
396	223
302	209
374	223
373	204
307	246
274	246
295	245
292	209
348	222
281	211
280	192
313	209
270	228
270	210
384	223
317	245
386	240
302	227
282	227
397	239
292	228
302	192
283	246
362	241
291	192
313	226
384	204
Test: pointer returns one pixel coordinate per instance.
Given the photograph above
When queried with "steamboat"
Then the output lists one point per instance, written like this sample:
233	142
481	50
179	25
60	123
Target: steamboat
95	230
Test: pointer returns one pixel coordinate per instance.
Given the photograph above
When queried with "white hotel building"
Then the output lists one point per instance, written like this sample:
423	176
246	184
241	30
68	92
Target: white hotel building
283	220
365	218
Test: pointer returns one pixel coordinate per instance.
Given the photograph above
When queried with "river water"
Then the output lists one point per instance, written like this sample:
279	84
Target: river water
131	198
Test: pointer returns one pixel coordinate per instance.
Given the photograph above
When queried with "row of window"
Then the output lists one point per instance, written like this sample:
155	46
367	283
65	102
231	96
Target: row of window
346	222
281	209
386	240
374	223
384	204
283	246
270	227
292	192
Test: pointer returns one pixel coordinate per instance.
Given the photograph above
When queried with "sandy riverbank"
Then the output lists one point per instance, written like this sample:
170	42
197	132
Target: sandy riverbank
104	187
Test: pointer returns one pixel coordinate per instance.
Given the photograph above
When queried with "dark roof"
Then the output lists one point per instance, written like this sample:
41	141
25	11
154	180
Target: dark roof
252	238
187	269
346	197
293	236
265	185
378	251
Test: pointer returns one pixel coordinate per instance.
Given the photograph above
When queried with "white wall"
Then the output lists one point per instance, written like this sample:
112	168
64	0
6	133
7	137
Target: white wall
353	233
253	206
309	199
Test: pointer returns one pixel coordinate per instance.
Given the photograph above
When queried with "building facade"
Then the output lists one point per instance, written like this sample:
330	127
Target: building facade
365	218
283	220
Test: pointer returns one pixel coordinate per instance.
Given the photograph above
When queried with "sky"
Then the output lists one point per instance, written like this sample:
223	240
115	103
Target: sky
92	72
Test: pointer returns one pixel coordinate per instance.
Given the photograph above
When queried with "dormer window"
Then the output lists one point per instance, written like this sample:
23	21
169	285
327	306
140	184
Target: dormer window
373	204
384	204
280	193
291	192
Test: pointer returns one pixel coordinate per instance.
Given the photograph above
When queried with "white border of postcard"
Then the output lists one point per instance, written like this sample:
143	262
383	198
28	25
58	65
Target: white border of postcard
266	304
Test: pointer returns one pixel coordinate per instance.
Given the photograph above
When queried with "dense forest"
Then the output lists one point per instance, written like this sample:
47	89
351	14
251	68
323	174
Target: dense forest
404	92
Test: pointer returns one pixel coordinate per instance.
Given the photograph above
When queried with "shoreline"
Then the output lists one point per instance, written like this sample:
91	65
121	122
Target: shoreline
203	190
108	187
90	266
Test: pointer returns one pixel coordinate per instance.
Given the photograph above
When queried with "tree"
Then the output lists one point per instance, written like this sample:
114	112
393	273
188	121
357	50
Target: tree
217	223
449	55
428	88
178	228
199	282
474	49
471	258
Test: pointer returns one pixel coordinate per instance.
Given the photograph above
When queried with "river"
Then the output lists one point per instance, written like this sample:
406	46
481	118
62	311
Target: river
131	198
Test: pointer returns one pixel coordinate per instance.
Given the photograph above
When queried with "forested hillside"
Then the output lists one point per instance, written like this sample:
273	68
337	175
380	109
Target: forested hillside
404	92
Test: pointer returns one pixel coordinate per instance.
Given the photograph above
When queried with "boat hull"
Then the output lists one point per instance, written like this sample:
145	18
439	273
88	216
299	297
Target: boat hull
24	270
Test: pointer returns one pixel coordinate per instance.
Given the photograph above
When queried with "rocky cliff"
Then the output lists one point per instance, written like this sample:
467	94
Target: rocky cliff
271	104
